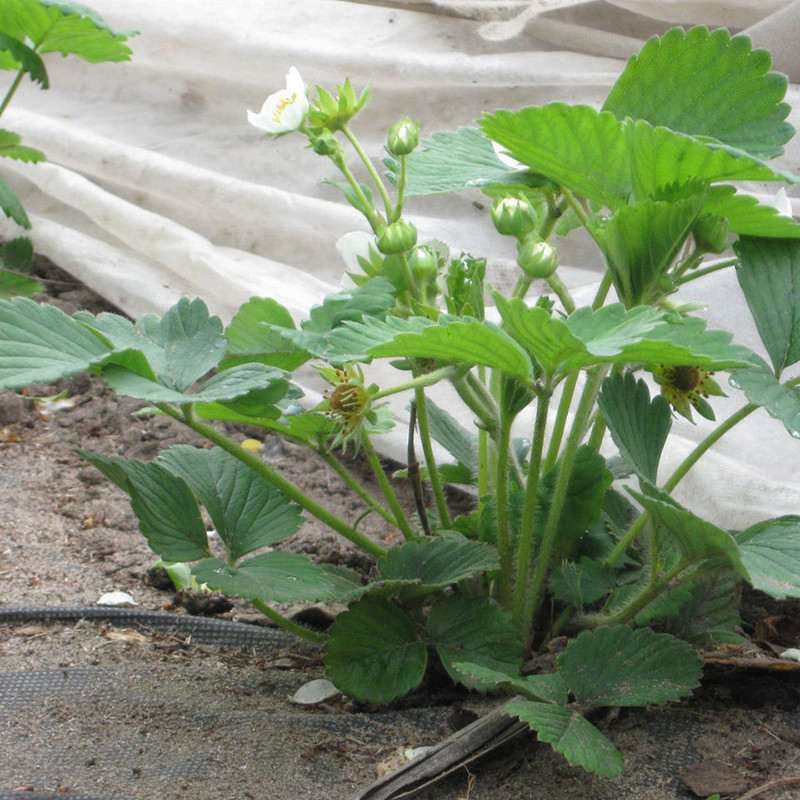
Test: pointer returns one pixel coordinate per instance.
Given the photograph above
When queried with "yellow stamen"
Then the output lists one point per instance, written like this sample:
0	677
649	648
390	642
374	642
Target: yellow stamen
276	116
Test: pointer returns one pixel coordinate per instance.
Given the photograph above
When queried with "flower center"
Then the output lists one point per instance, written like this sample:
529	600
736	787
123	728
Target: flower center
279	109
348	400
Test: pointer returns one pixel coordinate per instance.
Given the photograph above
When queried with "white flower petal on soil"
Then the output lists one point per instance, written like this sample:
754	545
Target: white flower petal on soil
313	692
116	599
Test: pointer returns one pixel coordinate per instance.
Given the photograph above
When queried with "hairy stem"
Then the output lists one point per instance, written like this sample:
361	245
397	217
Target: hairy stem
373	173
386	488
287	624
430	459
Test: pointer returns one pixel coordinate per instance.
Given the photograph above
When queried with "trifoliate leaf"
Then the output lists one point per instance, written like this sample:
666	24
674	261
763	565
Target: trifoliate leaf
763	388
39	343
571	735
577	147
269	577
373	653
548	687
15	54
476	630
165	506
583	582
251	336
771	555
246	511
706	84
437	561
639	426
11	206
769	274
451	162
620	666
10	147
747	217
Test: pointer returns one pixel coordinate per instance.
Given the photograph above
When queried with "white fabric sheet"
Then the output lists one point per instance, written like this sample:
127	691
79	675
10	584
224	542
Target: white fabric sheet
156	186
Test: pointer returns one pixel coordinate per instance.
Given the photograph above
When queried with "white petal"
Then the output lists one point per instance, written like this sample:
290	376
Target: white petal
294	83
506	158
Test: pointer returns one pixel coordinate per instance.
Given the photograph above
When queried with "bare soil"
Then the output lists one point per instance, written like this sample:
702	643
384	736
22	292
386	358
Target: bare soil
157	716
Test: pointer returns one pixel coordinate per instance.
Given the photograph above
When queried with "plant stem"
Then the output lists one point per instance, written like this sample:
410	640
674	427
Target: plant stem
503	528
560	289
367	161
486	414
700	273
11	91
287	624
400	190
542	568
278	481
564	404
524	555
602	291
348	478
428	379
430	460
373	217
386	488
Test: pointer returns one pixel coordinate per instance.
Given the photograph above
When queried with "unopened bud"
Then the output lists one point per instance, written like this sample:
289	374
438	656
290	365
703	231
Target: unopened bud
513	217
403	137
396	238
710	233
424	264
538	259
326	144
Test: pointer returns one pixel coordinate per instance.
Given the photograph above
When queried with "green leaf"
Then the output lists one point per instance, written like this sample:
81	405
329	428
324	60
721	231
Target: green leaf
251	336
711	614
641	241
706	84
247	512
165	506
269	577
16	262
435	562
39	343
583	582
769	274
180	348
619	666
235	382
660	157
763	388
461	443
66	28
571	735
20	56
476	630
373	653
577	147
696	538
771	555
583	504
639	426
11	206
369	301
747	217
613	334
548	687
10	147
451	162
451	339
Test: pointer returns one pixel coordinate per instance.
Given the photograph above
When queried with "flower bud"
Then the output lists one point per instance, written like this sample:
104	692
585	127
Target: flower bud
397	238
538	259
513	217
403	137
326	144
710	233
424	265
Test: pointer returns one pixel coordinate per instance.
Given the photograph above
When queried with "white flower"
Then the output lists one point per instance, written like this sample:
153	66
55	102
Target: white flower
284	111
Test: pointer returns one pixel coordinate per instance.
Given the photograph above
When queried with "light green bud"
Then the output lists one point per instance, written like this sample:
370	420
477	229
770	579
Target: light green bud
513	217
710	233
424	264
403	137
326	144
537	258
396	238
